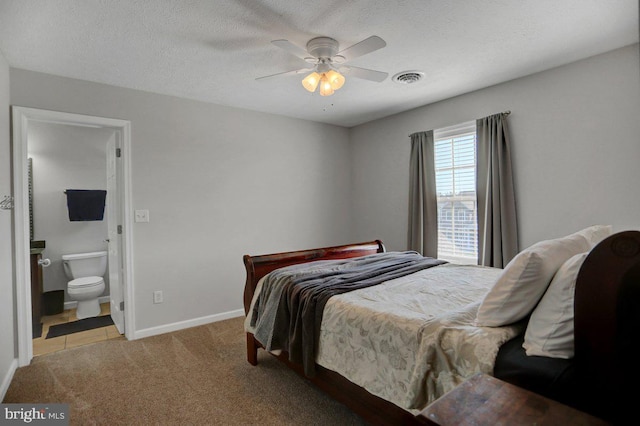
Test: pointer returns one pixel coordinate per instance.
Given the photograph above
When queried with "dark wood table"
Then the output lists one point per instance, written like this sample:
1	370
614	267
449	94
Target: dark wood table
485	400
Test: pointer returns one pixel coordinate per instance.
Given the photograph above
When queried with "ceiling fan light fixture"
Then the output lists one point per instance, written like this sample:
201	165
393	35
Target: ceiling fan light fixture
336	79
311	82
326	88
329	82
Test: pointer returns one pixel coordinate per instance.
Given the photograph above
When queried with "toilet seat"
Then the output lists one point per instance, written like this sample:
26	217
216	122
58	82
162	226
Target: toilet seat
85	282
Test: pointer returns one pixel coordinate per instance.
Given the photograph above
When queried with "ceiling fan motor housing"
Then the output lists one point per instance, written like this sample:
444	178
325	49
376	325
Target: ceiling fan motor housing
322	47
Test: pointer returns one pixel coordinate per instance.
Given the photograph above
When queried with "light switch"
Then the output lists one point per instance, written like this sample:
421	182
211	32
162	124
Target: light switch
142	216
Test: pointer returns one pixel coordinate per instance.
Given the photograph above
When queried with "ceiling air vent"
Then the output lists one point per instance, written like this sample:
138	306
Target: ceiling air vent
408	77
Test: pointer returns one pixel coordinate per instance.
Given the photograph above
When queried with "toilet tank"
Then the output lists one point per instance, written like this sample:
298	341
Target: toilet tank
80	265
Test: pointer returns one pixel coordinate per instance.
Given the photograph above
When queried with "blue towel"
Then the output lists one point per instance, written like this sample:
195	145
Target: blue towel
85	204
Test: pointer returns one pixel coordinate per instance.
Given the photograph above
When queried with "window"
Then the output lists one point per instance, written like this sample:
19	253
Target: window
455	167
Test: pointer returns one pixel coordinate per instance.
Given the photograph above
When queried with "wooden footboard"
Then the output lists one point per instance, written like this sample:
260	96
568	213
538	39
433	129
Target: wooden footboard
259	266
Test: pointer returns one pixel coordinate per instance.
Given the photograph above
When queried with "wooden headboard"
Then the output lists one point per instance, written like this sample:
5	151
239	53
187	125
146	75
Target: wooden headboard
607	322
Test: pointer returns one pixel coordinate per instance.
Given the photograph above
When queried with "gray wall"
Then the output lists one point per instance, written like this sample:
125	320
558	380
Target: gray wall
66	157
218	182
7	313
575	148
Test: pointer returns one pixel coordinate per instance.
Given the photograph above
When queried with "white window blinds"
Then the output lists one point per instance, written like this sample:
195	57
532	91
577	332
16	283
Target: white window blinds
455	167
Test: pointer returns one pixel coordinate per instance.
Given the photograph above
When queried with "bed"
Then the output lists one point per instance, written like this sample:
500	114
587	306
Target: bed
604	282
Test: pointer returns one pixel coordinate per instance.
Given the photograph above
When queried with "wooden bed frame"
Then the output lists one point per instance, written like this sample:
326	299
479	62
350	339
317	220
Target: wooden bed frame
607	291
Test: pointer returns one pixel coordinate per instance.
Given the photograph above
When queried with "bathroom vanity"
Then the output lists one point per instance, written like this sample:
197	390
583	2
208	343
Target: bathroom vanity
36	285
37	263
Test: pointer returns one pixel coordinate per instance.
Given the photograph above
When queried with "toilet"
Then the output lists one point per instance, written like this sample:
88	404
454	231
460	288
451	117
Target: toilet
85	272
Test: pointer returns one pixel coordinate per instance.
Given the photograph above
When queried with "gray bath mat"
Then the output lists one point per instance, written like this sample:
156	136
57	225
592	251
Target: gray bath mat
80	325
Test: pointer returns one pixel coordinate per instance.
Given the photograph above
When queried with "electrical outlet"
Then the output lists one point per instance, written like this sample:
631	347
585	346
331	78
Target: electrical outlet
157	296
142	216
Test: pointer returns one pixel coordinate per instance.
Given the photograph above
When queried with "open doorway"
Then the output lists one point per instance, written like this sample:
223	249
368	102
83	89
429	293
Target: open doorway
117	244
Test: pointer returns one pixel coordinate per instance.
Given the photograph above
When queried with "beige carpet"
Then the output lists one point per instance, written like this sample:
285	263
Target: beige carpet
197	376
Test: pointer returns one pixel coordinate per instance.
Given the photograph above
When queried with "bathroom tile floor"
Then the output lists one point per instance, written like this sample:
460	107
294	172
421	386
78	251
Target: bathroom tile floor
42	345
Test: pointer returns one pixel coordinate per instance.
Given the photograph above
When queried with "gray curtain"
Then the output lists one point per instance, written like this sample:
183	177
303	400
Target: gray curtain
423	210
497	225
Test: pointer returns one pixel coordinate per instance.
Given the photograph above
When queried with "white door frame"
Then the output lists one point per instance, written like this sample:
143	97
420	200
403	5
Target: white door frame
21	117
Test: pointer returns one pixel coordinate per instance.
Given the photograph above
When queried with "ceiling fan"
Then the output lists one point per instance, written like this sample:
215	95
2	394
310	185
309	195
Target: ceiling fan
326	63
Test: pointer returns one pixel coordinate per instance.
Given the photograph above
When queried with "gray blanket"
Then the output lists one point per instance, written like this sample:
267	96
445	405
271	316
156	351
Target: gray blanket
288	311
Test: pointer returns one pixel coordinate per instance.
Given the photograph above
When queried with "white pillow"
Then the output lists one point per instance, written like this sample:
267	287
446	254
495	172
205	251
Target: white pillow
596	233
525	279
550	329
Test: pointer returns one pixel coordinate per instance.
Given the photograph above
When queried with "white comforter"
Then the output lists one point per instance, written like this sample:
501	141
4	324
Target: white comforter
411	339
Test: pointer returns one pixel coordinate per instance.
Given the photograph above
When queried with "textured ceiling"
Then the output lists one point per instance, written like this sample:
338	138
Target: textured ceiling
213	51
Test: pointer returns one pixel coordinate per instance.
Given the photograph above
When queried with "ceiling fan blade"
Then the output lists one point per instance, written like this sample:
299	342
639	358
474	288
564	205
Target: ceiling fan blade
292	72
291	48
364	73
367	45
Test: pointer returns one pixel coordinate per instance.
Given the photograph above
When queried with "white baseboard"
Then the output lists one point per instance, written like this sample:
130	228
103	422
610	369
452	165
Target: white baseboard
6	380
152	331
72	304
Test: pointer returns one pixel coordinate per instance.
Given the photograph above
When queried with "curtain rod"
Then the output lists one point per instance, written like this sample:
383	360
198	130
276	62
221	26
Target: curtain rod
507	112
